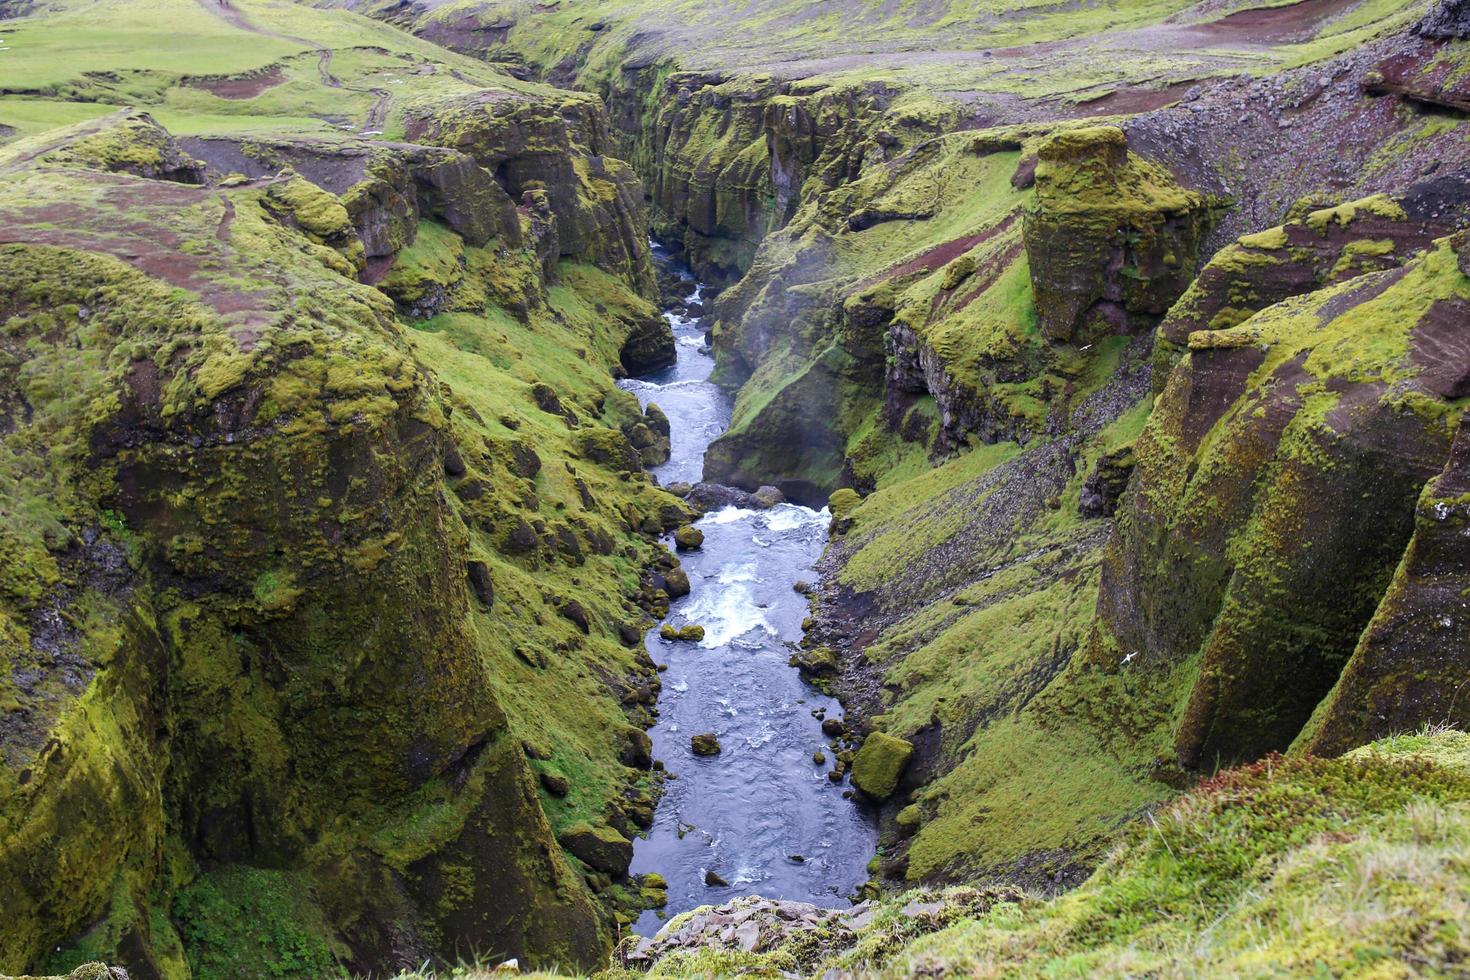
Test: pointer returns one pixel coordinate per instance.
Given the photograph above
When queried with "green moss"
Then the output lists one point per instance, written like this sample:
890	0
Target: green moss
251	922
879	764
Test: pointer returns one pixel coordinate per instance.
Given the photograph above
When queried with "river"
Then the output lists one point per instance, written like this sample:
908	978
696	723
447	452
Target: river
761	815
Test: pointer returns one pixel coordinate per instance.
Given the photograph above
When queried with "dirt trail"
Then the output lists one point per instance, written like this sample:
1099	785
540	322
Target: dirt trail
378	114
232	15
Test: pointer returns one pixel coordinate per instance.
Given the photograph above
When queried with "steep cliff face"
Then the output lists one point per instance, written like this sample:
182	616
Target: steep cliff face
273	538
1274	445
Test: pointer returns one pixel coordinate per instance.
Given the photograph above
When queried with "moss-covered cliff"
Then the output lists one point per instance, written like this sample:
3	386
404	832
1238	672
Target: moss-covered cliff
324	540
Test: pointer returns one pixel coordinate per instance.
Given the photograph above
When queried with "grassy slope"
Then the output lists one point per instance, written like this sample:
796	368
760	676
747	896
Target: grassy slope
856	41
70	61
1346	867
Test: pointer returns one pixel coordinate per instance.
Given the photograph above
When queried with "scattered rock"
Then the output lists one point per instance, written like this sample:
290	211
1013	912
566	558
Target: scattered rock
767	497
574	611
688	538
676	582
705	744
638	751
478	574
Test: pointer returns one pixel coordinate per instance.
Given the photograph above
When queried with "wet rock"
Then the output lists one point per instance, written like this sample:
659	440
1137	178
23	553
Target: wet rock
688	538
879	764
767	497
598	847
713	880
705	744
819	758
680	488
816	662
707	497
833	727
691	633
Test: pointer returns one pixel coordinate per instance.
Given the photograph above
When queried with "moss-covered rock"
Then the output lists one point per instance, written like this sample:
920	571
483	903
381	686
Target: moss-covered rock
880	763
598	847
705	744
1112	237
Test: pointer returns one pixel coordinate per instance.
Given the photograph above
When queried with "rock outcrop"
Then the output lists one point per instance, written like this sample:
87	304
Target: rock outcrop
1113	238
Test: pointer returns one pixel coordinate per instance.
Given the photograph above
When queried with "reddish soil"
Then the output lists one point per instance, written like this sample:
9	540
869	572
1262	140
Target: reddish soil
1128	101
123	227
985	276
245	87
943	254
1273	25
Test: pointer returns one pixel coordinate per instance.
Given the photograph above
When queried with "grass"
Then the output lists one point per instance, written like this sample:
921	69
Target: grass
1350	867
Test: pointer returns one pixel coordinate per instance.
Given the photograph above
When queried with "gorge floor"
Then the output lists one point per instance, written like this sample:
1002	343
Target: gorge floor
760	815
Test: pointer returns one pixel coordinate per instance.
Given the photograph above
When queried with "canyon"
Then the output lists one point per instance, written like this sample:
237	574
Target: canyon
1068	419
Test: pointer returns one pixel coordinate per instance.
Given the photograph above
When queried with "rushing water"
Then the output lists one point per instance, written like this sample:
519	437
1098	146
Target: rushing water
760	815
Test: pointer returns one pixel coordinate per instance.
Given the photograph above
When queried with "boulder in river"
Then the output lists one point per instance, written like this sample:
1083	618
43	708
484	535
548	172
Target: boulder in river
688	538
691	633
833	727
879	764
705	744
714	496
713	880
767	497
600	848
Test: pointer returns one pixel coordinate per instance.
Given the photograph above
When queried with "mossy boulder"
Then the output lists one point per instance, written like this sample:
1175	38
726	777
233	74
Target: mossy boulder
843	501
676	582
688	538
599	847
880	763
705	744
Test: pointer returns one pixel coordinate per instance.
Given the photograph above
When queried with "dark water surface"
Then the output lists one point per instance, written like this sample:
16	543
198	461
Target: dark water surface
761	814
